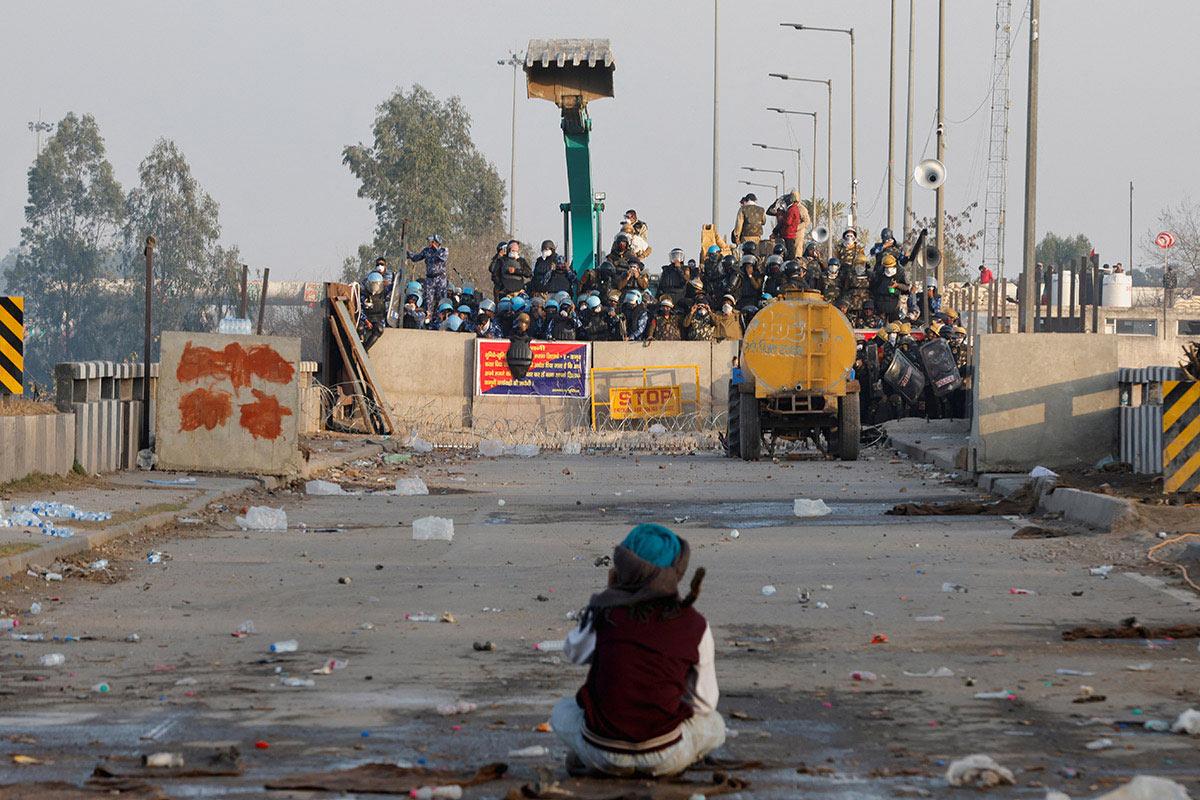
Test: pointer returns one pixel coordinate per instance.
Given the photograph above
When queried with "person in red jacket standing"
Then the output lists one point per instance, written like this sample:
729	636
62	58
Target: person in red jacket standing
792	221
985	275
648	707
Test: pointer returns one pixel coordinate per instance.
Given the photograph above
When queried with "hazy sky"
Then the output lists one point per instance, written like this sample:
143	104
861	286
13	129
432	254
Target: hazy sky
262	96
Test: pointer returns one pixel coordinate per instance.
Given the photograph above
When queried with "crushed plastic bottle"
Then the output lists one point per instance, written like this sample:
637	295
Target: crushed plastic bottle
53	576
52	660
262	518
768	590
420	616
410	487
456	709
162	760
286	646
451	792
864	676
98	564
954	587
247	628
551	646
331	666
1101	571
154	557
427	528
27	637
940	672
803	507
536	751
298	682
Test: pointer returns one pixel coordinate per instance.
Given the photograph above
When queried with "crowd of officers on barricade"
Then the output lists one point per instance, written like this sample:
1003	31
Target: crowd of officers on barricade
713	299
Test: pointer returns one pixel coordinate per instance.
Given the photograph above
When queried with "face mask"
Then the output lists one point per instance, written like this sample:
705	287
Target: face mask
701	312
546	253
725	309
859	269
889	271
514	253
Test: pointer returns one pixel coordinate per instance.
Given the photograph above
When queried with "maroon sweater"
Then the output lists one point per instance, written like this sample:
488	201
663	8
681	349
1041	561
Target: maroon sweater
633	700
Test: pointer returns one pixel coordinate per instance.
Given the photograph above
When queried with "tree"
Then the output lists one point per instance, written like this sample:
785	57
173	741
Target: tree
191	271
1183	221
962	239
1054	250
422	166
64	267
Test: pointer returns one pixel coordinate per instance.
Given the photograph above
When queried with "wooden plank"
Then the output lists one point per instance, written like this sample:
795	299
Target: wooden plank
348	365
364	362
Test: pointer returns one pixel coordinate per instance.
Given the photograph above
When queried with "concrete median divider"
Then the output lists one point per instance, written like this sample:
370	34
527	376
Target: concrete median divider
36	443
1043	398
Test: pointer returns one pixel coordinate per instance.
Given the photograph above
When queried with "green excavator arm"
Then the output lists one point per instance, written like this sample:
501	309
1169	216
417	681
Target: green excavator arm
571	73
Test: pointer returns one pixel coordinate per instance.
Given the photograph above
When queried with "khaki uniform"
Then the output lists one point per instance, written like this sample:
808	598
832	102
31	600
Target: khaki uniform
729	326
751	218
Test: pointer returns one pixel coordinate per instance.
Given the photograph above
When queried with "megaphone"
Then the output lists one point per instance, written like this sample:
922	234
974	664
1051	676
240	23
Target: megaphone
929	256
929	174
820	234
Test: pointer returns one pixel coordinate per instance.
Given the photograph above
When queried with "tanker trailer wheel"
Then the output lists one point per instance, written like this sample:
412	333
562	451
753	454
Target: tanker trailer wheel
849	427
733	406
749	426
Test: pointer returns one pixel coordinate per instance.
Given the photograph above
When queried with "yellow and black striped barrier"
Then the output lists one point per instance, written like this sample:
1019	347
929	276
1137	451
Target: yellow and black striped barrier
1181	436
12	345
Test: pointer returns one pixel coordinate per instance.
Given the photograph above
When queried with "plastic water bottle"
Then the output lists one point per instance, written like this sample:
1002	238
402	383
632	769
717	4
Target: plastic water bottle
52	660
419	617
35	609
298	682
452	792
286	646
551	645
9	623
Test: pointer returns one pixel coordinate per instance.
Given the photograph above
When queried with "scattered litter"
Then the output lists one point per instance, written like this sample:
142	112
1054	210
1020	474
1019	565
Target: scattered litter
733	534
1101	571
864	676
331	666
183	480
35	609
879	638
768	590
822	604
1015	590
26	761
657	429
245	629
1077	672
1099	744
803	507
286	646
1004	694
298	682
419	445
9	623
979	771
162	760
1042	472
1157	726
940	672
1146	787
954	587
551	646
319	488
930	618
1145	666
420	616
536	751
427	528
502	502
133	638
52	660
456	709
262	518
98	564
344	580
154	557
452	792
410	487
449	618
484	647
572	448
186	682
1188	722
26	637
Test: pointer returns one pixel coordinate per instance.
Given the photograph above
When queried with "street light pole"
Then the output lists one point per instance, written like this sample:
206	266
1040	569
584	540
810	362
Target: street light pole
941	140
891	119
908	134
782	175
716	189
828	152
1031	129
514	61
853	122
795	150
812	114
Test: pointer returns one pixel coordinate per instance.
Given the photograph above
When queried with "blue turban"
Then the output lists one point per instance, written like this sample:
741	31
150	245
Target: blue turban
654	543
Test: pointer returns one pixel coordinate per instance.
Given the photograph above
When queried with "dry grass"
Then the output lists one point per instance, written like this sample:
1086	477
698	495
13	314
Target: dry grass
20	407
41	483
16	548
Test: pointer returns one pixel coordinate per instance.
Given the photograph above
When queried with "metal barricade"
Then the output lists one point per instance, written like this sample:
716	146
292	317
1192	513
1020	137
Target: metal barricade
647	402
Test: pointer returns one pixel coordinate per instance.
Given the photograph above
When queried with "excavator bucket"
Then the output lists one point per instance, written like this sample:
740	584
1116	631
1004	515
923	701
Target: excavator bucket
569	72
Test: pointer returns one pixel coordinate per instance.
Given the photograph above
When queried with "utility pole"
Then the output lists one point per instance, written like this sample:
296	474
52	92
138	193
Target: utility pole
38	128
716	190
1027	288
514	60
941	141
908	134
1131	228
148	342
891	119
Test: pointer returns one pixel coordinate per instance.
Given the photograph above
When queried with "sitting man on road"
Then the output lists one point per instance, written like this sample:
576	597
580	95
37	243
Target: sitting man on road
648	707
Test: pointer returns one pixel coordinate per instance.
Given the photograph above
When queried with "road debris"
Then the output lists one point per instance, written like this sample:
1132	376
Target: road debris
1188	722
262	518
803	507
978	771
410	487
433	528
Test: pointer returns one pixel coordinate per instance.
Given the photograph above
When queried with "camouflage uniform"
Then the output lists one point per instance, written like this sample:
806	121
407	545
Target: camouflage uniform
436	286
702	329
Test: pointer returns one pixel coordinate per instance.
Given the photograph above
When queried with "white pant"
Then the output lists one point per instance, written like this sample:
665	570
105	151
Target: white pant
702	734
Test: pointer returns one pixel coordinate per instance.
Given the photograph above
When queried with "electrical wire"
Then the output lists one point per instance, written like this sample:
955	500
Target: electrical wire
992	88
1180	567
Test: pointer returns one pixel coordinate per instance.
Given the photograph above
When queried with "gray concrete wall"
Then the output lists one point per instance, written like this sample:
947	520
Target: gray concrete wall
230	445
1044	398
426	377
42	443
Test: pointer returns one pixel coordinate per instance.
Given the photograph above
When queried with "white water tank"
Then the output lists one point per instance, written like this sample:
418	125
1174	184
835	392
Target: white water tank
1051	291
1118	290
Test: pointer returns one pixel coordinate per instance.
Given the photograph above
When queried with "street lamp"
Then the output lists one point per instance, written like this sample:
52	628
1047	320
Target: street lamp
772	186
853	126
812	114
515	61
779	172
828	82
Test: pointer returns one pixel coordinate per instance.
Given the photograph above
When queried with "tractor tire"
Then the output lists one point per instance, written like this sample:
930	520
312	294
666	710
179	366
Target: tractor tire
749	427
849	427
733	448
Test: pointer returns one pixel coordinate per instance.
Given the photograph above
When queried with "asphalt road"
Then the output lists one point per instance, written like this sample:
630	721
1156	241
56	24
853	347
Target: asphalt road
528	534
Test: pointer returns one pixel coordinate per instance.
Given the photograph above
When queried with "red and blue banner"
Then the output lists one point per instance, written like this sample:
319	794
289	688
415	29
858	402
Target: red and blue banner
559	369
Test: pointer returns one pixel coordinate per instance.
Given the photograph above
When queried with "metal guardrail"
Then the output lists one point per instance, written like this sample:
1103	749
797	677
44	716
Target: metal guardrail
693	401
